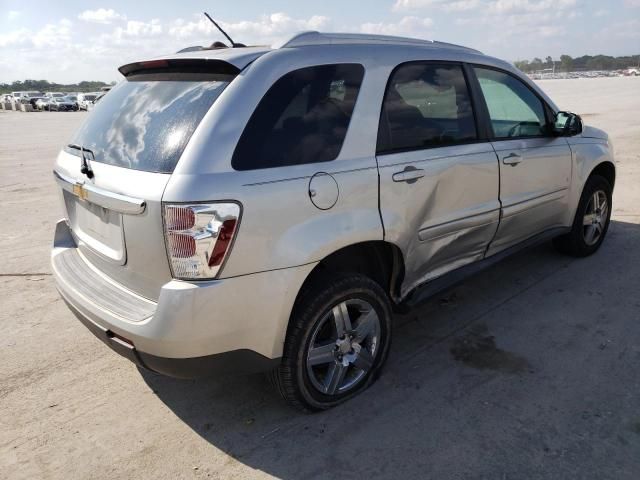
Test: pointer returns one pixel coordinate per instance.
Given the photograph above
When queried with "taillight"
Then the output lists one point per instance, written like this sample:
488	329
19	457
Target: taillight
199	237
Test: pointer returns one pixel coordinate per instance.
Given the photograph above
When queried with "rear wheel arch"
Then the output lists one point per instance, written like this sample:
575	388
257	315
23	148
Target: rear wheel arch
381	261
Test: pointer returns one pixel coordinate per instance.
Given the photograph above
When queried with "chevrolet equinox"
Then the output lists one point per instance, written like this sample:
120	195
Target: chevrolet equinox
257	209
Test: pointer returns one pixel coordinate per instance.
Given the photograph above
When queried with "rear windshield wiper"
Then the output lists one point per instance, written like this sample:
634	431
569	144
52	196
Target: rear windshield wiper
85	168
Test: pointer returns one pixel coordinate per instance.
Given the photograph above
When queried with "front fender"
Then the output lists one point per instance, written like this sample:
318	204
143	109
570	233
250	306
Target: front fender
588	153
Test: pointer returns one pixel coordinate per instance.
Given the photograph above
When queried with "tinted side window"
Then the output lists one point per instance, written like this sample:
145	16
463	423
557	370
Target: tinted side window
303	118
426	105
515	111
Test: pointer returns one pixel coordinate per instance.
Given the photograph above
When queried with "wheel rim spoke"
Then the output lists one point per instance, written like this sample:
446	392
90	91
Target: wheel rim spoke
341	319
588	219
364	360
366	325
334	378
604	211
322	355
595	218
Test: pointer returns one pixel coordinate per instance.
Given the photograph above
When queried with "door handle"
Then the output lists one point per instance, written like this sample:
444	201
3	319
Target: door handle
512	159
409	175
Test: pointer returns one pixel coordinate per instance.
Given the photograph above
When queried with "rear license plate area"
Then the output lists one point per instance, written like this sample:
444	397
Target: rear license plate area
98	228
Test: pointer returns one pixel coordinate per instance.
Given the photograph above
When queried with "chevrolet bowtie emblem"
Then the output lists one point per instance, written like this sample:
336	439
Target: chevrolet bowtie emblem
79	191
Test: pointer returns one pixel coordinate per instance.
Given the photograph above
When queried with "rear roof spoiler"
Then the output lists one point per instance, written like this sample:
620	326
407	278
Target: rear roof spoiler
180	66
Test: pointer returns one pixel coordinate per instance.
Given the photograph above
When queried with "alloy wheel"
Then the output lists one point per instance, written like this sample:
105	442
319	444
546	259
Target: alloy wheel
595	218
343	347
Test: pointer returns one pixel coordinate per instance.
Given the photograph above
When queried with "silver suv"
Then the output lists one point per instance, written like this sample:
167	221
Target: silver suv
248	209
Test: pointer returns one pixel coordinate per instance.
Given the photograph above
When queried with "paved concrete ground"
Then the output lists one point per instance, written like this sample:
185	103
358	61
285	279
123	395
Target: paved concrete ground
529	370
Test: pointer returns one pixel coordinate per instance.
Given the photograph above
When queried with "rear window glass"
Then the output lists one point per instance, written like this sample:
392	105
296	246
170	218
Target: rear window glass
146	125
303	118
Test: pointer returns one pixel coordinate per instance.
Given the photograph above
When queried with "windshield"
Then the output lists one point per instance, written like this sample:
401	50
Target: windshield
145	125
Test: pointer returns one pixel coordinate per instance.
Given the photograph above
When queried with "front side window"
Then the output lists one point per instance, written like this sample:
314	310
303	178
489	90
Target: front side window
426	105
514	110
303	118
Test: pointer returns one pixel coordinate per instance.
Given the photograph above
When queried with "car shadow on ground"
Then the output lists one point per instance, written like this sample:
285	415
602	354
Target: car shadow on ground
516	372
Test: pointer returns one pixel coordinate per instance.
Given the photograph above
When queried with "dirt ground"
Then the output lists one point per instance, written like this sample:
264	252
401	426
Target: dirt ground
528	370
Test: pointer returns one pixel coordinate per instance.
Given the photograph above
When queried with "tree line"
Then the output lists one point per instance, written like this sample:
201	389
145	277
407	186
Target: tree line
46	86
587	62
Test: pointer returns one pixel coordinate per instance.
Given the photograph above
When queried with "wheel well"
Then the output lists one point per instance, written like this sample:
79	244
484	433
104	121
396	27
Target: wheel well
381	261
606	170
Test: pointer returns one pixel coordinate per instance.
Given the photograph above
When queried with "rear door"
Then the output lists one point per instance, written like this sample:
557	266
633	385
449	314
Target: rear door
438	177
535	165
114	171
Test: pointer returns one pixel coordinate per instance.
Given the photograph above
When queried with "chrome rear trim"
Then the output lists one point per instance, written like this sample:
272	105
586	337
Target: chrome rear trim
111	200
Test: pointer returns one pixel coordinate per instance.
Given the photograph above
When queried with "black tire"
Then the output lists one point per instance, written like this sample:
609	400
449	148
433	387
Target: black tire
294	378
575	242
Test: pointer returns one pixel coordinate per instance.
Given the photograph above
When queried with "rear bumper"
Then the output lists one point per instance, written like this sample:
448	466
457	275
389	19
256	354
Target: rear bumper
237	361
194	329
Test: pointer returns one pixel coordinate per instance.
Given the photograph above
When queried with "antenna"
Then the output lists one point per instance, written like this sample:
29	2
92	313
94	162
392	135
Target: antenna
233	44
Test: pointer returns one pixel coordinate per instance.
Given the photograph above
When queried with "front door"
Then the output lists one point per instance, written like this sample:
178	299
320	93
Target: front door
438	181
535	166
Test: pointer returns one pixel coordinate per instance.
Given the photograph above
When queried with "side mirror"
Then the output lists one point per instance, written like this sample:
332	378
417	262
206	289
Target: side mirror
567	124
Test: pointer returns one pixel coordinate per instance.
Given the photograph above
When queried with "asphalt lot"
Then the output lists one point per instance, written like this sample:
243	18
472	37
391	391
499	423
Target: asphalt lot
528	370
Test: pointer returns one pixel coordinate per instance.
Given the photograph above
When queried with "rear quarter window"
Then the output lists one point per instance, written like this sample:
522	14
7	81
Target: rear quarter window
303	118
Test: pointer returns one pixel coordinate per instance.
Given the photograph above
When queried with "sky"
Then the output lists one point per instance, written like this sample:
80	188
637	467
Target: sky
71	40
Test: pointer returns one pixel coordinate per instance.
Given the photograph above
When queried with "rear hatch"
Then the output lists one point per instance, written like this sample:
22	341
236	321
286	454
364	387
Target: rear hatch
114	171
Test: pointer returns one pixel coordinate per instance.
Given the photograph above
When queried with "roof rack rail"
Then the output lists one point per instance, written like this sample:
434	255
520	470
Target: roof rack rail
310	38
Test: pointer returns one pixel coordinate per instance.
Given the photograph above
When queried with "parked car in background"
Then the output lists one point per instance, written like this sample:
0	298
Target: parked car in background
54	94
42	104
28	96
355	176
34	101
17	97
86	99
73	99
23	97
20	98
61	104
98	98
